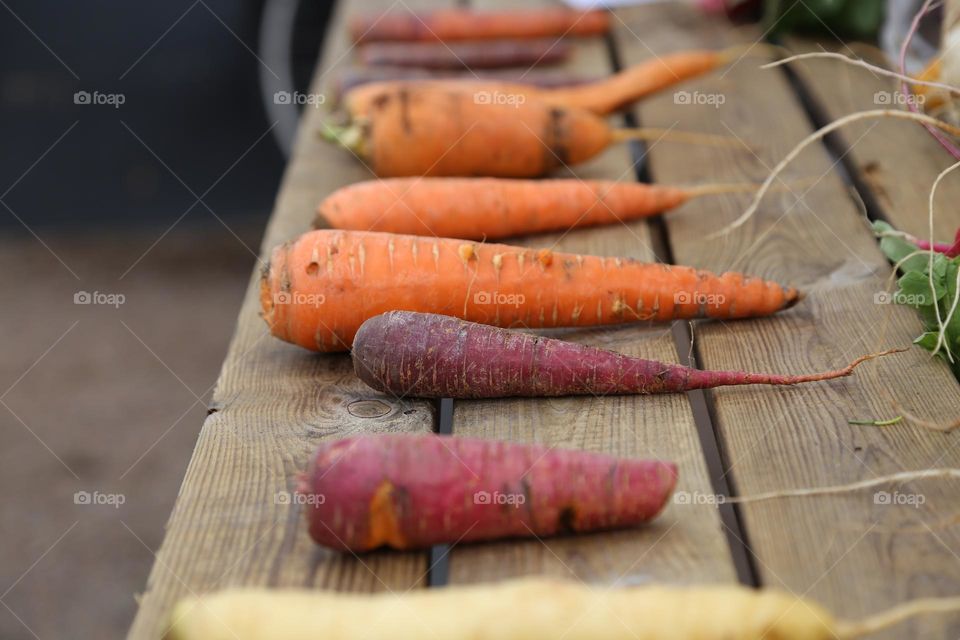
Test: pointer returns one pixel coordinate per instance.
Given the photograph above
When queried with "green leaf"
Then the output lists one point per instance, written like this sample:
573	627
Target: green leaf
927	340
914	290
896	249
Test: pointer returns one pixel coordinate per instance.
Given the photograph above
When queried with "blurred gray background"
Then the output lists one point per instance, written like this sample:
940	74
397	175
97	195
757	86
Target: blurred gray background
149	206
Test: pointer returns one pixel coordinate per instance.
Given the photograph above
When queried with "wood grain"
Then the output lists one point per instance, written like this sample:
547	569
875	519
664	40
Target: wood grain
848	552
232	523
686	543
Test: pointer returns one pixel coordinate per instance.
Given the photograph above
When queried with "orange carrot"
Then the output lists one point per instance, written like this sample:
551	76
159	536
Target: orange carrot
447	132
602	96
319	289
464	24
491	208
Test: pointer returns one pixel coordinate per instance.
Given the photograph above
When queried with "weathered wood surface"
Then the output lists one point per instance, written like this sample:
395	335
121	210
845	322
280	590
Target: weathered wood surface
274	402
232	523
850	552
897	161
686	543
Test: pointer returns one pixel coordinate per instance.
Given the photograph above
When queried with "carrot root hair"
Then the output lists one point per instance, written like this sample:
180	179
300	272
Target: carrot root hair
706	379
837	373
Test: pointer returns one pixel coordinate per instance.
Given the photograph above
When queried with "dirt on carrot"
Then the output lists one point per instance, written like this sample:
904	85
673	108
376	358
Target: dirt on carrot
431	131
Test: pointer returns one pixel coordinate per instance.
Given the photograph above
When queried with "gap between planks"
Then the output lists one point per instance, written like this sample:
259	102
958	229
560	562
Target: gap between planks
686	348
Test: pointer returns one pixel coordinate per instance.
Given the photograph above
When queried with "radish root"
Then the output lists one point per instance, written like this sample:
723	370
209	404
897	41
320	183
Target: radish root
722	188
903	476
857	62
941	322
927	424
819	134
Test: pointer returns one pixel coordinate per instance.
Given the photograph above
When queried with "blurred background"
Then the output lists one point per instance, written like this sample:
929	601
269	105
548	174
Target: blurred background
142	152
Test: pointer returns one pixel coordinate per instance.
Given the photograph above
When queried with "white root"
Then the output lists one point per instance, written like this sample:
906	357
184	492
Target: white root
857	62
903	476
941	322
819	134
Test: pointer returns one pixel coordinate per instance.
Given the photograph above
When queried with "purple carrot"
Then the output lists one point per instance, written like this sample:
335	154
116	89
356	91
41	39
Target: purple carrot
433	356
413	491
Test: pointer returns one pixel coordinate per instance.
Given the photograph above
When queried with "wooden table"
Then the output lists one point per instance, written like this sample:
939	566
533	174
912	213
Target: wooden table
274	402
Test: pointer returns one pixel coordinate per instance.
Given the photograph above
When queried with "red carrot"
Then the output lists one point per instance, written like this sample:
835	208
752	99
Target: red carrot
434	356
411	491
464	24
466	55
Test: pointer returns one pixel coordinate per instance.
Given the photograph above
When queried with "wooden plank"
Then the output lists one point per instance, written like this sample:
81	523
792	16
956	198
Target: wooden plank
273	404
686	543
848	552
901	188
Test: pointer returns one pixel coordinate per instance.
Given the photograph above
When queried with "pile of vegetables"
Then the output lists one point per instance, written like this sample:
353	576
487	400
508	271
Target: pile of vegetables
400	272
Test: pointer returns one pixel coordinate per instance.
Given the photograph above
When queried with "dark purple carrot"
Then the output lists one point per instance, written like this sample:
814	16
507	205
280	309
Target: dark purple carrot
433	356
412	491
466	55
